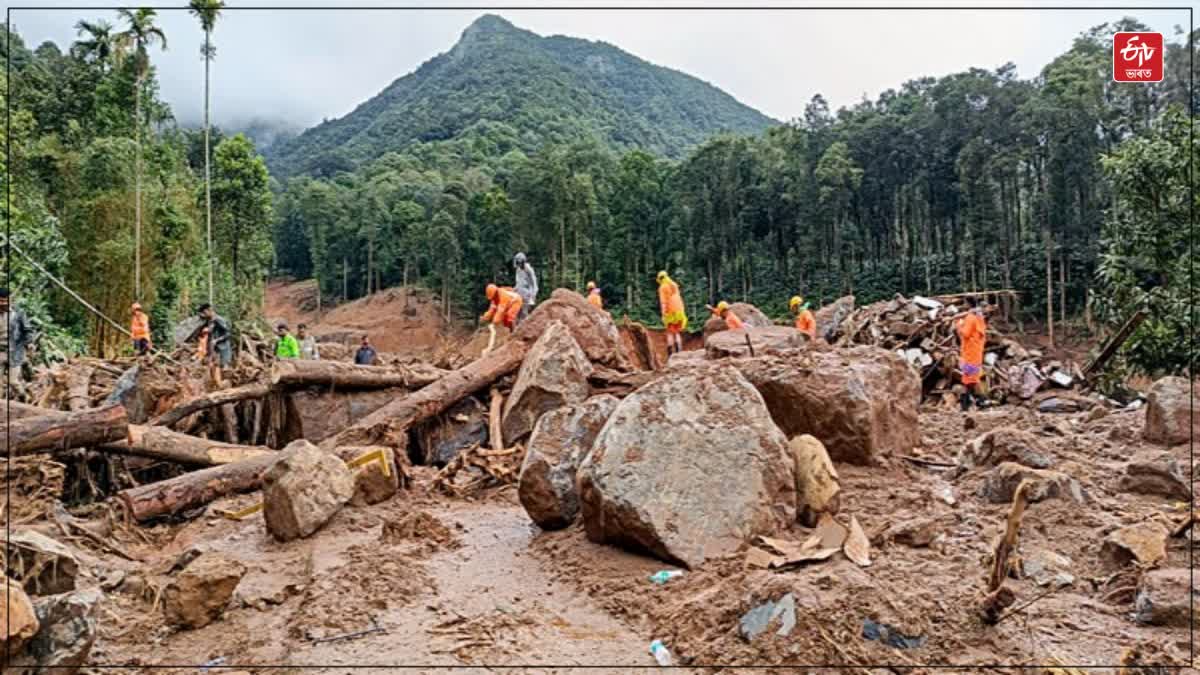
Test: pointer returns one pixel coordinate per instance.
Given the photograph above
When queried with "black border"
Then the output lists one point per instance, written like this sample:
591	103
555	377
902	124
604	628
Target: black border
1194	312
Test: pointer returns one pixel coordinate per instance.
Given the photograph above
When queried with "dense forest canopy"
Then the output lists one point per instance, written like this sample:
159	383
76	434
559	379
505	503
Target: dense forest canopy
1066	186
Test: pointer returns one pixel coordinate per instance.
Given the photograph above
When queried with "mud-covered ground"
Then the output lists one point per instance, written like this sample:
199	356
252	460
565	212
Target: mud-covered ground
460	583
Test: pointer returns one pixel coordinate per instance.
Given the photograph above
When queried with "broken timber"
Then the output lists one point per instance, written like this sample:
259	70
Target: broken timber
162	443
195	489
94	426
304	373
211	400
998	597
1114	343
389	425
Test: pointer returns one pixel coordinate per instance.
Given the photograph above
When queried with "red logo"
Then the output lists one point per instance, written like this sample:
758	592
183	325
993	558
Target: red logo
1138	57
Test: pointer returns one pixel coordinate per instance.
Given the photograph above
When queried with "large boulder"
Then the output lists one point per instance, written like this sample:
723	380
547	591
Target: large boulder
316	414
594	331
560	442
1001	484
1169	416
1165	598
748	313
728	343
20	622
688	467
1156	474
830	317
303	490
68	630
1006	444
861	403
554	374
442	438
41	564
197	596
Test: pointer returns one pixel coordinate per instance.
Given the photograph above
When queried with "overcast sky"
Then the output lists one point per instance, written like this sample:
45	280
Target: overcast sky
303	66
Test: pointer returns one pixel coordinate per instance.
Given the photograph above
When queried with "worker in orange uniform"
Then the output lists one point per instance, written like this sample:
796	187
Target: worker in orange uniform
972	335
594	295
732	321
670	301
805	323
139	330
506	305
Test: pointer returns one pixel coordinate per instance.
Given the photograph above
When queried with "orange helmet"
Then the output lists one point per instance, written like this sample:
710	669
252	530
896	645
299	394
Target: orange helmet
136	306
492	290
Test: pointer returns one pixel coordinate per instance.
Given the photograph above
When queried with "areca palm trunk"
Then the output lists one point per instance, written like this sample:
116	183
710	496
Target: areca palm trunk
137	205
208	166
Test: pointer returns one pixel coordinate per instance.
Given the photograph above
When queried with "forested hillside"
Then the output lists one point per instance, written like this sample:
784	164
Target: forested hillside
979	179
502	88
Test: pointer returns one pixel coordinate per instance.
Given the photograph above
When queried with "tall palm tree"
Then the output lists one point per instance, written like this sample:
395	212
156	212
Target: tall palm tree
207	11
96	41
136	39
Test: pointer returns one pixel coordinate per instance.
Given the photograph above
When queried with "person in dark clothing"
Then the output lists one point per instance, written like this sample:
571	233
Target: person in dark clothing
220	351
16	334
365	356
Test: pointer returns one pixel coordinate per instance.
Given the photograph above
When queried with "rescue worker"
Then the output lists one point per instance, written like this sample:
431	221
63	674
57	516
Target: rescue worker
365	356
674	317
805	323
15	335
732	321
506	306
526	287
594	295
218	350
308	344
286	346
972	335
139	330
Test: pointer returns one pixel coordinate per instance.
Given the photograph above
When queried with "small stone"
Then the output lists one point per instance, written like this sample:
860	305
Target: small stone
303	490
197	596
1165	598
1047	567
1156	474
20	620
917	533
1001	483
1097	413
1143	543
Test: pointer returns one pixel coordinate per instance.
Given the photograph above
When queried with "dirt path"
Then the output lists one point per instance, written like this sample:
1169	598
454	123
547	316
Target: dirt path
448	583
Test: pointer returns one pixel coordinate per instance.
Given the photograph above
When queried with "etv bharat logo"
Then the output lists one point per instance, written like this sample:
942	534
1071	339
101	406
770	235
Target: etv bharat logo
1138	57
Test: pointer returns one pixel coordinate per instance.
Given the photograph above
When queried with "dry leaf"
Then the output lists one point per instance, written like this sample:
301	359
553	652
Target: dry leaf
857	548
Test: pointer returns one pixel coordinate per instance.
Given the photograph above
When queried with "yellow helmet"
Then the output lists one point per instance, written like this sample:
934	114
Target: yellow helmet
722	307
591	285
795	301
661	276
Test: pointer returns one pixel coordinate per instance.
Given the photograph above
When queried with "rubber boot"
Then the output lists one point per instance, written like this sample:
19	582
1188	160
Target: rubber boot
964	401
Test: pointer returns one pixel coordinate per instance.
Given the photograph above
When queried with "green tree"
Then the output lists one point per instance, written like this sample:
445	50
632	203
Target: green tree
207	11
138	37
243	216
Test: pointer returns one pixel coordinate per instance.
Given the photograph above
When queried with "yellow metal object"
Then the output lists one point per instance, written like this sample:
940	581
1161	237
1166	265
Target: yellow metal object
241	515
376	455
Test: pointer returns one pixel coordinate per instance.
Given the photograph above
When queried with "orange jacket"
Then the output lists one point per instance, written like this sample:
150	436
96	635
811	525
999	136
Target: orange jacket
805	323
504	307
140	326
595	299
972	334
670	301
732	322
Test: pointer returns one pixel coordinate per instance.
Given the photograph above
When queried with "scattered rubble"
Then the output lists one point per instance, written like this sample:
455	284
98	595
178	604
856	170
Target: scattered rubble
1048	568
1001	483
303	489
560	442
68	631
1005	444
1156	474
40	564
688	467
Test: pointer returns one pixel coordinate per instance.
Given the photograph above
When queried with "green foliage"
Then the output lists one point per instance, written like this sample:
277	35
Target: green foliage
502	88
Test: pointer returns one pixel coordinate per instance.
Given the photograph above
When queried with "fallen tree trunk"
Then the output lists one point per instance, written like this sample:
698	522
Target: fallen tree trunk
389	425
195	489
69	430
78	380
305	373
211	400
1114	343
162	443
21	411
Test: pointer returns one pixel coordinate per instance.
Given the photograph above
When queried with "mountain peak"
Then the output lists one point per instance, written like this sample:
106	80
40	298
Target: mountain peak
490	23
